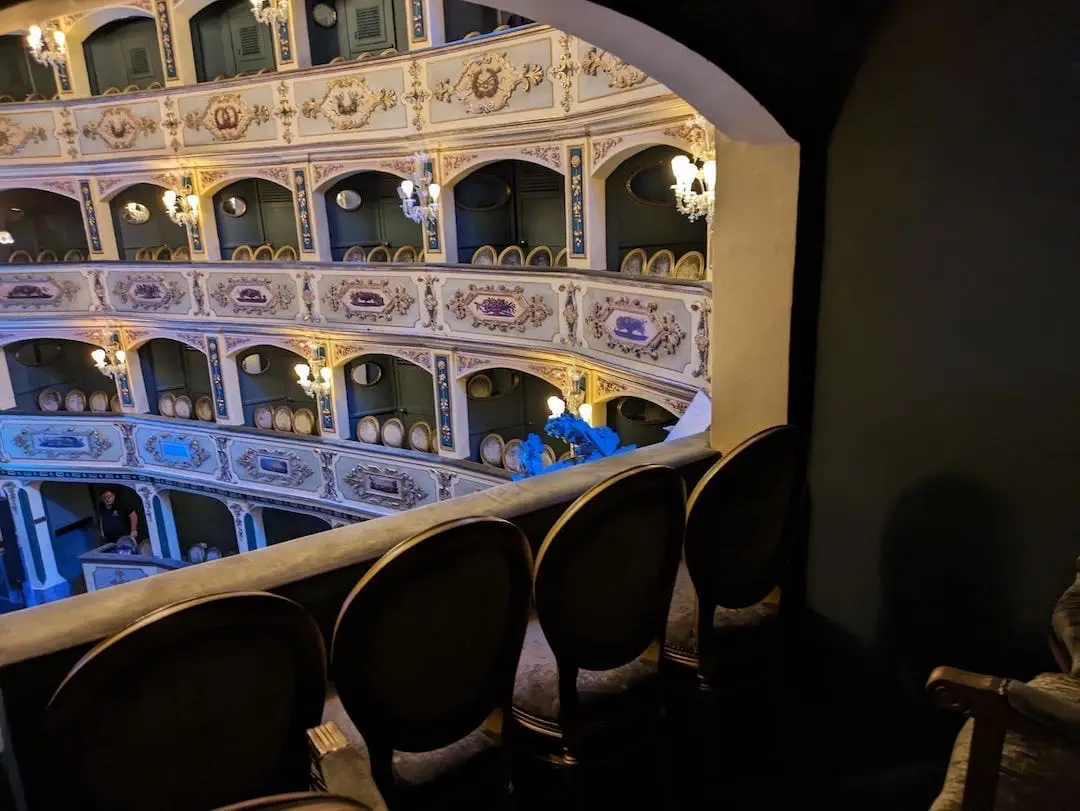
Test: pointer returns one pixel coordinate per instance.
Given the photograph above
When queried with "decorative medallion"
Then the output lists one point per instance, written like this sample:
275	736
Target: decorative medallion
384	487
417	27
119	128
601	148
28	292
168	58
487	83
303	216
253	295
442	386
551	155
620	74
62	443
325	170
67	134
14	136
634	327
431	302
90	215
227	117
348	103
417	96
176	450
499	307
570	312
368	299
326	462
701	340
285	112
221	444
145	291
565	69
274	466
171	124
577	202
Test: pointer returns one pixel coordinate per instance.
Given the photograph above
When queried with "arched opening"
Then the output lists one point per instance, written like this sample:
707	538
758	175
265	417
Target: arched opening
228	41
43	226
364	213
143	229
76	520
204	522
56	374
255	219
510	204
507	405
464	19
391	401
177	379
12	566
24	78
270	393
284	525
341	30
124	55
638	421
640	212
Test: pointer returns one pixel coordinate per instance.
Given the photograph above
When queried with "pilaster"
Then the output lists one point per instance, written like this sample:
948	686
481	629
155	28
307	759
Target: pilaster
340	404
426	23
97	220
229	373
250	534
47	584
452	407
136	401
7	390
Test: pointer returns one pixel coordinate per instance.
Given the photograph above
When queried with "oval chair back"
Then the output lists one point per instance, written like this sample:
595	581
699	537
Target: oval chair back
221	688
739	520
427	643
605	572
308	801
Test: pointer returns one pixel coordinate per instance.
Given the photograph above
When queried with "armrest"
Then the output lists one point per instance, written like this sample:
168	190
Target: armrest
343	770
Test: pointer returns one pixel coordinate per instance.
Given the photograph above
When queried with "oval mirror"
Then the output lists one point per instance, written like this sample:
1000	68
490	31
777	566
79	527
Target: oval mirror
37	354
367	373
348	199
234	206
255	363
481	191
651	185
324	15
134	213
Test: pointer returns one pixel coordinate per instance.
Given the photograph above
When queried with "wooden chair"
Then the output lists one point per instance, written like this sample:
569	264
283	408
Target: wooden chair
725	605
691	265
132	88
424	654
264	253
512	255
155	86
144	255
242	253
406	253
354	254
163	254
47	255
112	91
421	257
633	262
591	654
286	253
196	683
74	255
34	97
182	254
484	255
388	52
6	99
380	253
661	263
539	257
560	258
337	59
20	258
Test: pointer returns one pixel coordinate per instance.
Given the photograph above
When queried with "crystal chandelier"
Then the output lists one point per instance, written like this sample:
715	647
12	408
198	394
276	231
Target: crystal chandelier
181	206
270	12
314	376
573	399
112	360
48	50
695	179
419	196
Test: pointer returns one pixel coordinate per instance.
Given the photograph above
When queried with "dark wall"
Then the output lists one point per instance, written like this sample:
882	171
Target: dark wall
170	366
202	519
40	220
283	525
227	40
638	422
378	221
276	386
462	17
269	217
157	231
124	53
517	408
362	26
946	436
640	209
404	390
510	203
72	368
21	74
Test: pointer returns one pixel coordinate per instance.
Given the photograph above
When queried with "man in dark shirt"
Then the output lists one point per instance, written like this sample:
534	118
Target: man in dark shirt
116	520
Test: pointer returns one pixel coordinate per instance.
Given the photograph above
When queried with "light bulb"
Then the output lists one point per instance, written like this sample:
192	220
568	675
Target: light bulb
169	198
193	203
709	173
6	238
302	371
434	190
407	188
99	356
59	38
121	356
34	37
556	405
585	412
678	166
325	373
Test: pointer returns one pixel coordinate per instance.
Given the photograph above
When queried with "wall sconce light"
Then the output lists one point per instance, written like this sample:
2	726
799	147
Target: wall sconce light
270	12
315	376
111	361
573	399
47	50
696	201
419	196
181	206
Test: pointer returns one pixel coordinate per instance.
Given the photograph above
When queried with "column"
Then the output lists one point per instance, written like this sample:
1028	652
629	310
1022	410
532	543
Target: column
97	219
229	373
306	232
211	246
160	526
586	233
22	541
48	584
250	534
452	409
256	529
196	240
134	400
426	23
340	405
440	243
174	42
319	223
7	390
293	42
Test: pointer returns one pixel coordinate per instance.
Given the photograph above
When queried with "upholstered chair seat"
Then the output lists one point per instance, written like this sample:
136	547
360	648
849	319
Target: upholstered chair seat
536	688
1065	625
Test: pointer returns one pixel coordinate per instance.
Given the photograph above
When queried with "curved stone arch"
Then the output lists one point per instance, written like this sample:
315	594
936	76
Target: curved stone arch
494	156
88	337
551	372
126	183
345	353
62	188
220	183
285	342
86	25
151	335
380	166
676	405
629	145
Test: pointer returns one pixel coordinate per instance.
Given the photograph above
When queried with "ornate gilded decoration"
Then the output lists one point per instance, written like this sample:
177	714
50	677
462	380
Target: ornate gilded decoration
253	295
65	187
635	327
192	339
701	340
275	466
348	103
146	291
446	484
208	177
235	341
325	170
62	443
601	148
307	242
556	375
487	83
400	166
421	357
620	74
221	445
499	307
227	117
176	450
14	136
131	450
33	292
368	299
326	462
384	487
451	163
570	313
161	8
307	296
97	291
107	184
171	124
549	154
431	302
607	387
90	216
442	388
285	112
119	128
198	290
67	134
693	133
577	202
279	174
417	95
565	69
468	362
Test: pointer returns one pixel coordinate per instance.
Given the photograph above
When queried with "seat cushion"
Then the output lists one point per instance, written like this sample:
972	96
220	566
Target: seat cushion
681	642
536	687
1033	774
423	769
1066	623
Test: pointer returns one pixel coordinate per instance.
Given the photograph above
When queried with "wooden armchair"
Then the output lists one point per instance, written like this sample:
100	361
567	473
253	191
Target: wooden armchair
1020	748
